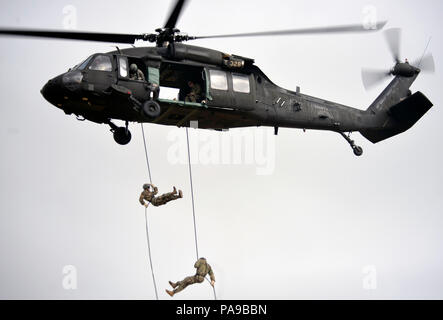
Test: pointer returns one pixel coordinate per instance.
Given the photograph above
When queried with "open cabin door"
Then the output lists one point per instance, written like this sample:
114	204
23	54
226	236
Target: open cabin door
175	81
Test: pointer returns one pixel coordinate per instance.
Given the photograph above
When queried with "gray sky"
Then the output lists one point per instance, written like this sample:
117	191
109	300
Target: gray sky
305	231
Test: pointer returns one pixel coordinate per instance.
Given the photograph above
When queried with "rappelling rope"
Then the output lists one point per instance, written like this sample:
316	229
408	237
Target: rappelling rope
146	154
146	215
193	207
192	195
193	210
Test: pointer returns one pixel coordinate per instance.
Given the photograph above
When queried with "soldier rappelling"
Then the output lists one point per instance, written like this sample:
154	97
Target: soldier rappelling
203	269
149	196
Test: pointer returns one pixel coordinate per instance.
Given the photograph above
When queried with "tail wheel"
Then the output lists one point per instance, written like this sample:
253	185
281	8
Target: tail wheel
122	135
358	151
151	109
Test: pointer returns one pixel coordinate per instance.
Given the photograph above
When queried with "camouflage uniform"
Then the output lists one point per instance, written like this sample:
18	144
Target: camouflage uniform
137	76
195	94
157	201
203	268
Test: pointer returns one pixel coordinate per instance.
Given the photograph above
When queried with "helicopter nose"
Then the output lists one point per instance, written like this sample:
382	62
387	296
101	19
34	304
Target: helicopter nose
51	91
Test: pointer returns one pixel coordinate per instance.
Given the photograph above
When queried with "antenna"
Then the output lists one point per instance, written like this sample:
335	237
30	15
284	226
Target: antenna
424	52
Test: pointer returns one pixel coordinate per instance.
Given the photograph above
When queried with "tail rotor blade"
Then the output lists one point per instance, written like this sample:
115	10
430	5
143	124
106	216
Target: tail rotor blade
372	77
426	64
393	37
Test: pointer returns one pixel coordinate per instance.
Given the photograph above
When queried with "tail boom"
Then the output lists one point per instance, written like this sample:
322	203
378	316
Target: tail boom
395	110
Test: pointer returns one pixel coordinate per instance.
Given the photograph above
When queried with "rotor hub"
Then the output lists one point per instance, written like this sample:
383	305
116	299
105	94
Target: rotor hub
404	69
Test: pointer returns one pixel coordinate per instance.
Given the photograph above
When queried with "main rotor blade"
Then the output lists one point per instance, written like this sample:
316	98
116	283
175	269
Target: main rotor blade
426	64
73	35
175	14
393	37
372	77
321	30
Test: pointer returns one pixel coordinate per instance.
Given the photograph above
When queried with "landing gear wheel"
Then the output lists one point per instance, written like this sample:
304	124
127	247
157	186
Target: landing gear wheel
122	135
151	109
358	151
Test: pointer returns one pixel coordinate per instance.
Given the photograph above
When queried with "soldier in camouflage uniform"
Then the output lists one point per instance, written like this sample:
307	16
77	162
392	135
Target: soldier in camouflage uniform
195	94
135	73
150	197
203	268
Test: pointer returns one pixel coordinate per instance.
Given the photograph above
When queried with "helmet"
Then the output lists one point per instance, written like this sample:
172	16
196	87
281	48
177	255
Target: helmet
146	186
133	67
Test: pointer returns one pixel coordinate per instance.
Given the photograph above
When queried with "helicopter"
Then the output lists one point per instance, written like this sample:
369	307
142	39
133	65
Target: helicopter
235	92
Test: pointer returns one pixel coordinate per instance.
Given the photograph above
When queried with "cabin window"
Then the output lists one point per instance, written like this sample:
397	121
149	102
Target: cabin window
123	63
240	83
219	80
101	63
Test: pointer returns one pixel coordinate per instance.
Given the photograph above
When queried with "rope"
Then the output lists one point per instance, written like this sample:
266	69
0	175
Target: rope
149	250
192	195
193	210
146	153
146	216
193	207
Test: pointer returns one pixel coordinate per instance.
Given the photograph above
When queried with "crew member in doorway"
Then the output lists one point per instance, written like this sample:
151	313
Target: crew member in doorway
195	94
203	269
149	192
135	73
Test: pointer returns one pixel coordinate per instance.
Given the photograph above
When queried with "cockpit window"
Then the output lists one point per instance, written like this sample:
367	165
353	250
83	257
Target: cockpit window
101	63
82	65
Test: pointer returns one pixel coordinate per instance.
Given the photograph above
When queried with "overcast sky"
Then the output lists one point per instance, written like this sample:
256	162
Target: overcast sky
314	224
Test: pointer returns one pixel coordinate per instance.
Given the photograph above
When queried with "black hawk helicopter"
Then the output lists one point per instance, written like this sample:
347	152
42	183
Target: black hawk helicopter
234	91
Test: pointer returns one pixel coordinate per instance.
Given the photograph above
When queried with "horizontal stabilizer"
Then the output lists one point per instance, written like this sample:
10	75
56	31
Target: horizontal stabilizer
400	118
410	110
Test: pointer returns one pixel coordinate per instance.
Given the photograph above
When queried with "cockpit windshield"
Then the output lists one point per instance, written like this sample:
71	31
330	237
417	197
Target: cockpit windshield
82	65
101	63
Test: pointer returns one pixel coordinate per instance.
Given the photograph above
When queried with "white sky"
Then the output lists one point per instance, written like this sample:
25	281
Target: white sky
70	194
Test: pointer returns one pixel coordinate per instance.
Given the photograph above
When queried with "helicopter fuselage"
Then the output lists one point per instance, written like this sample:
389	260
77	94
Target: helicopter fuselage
219	90
235	92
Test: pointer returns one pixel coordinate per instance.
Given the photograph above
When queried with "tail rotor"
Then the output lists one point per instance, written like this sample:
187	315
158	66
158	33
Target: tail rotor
372	77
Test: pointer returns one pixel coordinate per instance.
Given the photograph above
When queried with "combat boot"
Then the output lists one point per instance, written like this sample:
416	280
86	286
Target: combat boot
173	285
174	190
180	194
171	293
